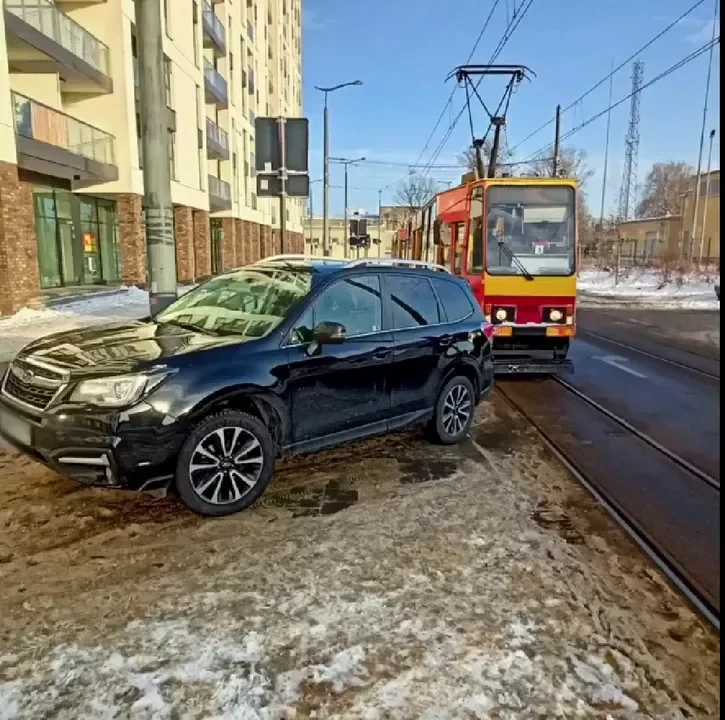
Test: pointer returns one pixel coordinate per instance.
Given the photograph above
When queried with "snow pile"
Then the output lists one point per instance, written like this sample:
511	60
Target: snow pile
29	324
648	288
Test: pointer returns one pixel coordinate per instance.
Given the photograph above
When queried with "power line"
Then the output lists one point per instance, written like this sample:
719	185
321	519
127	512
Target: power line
612	73
673	68
508	32
450	97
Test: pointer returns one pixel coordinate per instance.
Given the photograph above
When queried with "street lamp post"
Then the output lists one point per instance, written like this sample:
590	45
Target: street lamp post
326	172
346	163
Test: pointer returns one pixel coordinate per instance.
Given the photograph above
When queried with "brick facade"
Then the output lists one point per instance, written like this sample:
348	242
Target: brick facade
202	244
184	233
19	273
239	247
132	238
229	256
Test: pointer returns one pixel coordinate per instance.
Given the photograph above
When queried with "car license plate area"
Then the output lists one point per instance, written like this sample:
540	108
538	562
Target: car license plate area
16	428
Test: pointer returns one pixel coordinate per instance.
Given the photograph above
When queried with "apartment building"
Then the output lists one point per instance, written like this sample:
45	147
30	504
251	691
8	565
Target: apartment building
71	162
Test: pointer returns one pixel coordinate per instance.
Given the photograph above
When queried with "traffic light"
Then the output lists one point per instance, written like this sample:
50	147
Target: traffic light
358	227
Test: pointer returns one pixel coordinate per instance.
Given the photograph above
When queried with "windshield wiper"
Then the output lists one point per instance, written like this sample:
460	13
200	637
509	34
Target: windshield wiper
189	326
515	260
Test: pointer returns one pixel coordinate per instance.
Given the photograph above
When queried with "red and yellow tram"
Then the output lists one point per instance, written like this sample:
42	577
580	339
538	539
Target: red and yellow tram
514	240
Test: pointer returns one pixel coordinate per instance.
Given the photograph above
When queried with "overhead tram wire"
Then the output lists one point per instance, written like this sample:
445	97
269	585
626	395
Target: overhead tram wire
453	92
673	68
508	32
601	82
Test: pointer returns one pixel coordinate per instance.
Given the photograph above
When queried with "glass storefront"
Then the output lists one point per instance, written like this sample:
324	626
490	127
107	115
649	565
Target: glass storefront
77	238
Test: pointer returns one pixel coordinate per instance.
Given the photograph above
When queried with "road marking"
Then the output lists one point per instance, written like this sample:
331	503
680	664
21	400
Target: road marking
618	362
640	322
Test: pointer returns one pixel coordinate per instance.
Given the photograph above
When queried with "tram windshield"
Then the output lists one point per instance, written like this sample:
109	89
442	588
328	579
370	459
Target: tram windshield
531	230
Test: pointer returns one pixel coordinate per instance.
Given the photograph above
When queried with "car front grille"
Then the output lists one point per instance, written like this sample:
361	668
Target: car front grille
31	385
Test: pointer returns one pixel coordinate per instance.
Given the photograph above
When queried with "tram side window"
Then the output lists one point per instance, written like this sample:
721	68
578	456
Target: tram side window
475	249
460	247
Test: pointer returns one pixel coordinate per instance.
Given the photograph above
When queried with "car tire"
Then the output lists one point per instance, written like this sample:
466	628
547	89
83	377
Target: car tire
225	464
453	413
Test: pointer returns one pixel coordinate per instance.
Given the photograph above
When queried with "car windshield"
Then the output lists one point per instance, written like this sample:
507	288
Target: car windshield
531	230
250	302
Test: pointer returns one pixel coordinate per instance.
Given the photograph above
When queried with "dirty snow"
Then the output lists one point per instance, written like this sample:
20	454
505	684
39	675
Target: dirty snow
646	288
436	594
29	323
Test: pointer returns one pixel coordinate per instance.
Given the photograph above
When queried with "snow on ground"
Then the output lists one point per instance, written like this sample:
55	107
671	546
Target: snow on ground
29	324
496	589
646	288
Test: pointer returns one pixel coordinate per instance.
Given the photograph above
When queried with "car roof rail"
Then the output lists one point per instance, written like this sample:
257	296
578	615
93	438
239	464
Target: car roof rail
287	257
397	262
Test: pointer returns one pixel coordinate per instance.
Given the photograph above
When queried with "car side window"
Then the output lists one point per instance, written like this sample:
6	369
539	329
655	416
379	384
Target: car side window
413	301
355	303
456	303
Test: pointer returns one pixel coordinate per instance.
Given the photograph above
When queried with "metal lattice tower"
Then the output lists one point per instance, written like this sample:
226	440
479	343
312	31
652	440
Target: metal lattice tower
631	147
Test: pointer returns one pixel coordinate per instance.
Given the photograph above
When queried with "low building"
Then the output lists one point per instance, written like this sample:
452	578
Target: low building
339	247
648	240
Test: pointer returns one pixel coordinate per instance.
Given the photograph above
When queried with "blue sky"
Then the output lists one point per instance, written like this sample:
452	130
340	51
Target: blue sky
402	50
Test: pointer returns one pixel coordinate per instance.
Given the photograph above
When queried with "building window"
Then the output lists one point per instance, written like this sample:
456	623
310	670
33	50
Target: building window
197	48
167	17
202	169
172	154
167	83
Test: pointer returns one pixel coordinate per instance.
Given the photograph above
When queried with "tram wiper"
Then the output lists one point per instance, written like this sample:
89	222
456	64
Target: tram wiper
515	260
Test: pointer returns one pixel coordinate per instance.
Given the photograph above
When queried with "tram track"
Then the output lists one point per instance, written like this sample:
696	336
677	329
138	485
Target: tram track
648	531
668	361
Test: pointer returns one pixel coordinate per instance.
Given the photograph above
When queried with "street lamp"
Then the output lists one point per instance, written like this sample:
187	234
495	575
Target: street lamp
326	174
346	163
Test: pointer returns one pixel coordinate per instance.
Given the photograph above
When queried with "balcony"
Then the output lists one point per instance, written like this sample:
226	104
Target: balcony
220	194
215	36
217	141
215	86
51	142
41	38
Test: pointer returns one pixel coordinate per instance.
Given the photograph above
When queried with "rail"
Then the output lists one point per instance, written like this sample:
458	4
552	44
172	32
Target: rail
220	189
39	122
217	134
687	586
52	22
213	26
396	262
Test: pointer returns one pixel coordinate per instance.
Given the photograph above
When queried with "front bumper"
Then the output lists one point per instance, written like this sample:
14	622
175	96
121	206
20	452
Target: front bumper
132	449
535	349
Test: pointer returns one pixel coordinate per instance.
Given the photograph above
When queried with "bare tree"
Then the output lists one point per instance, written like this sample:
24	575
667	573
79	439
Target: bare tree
663	189
414	191
572	164
468	157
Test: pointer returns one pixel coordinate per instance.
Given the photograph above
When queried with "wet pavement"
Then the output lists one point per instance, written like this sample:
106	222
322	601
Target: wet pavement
690	337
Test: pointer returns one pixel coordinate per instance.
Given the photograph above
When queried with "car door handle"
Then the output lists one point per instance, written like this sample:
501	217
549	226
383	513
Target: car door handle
381	354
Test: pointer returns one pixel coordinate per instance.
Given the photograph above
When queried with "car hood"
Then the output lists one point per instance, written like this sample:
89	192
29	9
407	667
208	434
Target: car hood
120	348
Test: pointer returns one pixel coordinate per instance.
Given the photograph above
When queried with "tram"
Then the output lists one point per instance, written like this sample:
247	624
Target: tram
514	240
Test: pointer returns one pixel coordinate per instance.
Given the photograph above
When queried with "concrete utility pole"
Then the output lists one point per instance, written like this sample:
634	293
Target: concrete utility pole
159	211
693	229
380	221
326	172
557	142
707	197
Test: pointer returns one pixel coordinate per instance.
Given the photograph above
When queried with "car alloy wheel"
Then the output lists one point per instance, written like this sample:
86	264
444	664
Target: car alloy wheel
457	409
226	465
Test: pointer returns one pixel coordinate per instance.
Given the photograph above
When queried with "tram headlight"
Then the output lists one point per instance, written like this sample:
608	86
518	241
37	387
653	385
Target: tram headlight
556	315
501	314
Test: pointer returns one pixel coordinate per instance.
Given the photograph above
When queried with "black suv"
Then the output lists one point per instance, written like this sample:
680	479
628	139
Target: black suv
288	355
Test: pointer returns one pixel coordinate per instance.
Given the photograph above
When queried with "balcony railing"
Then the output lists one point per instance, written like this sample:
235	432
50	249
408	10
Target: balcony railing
45	17
215	82
213	27
250	30
40	122
220	192
217	138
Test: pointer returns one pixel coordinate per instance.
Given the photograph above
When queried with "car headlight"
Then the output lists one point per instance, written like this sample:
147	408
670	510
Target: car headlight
555	315
117	391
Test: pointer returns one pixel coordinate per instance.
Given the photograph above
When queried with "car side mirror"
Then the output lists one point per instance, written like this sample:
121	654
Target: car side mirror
329	333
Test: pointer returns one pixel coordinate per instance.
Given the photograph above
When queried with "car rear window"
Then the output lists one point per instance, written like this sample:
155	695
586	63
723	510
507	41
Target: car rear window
413	300
455	301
